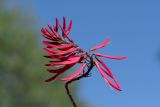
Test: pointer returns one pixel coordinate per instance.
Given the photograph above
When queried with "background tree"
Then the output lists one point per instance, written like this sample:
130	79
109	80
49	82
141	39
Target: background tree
21	64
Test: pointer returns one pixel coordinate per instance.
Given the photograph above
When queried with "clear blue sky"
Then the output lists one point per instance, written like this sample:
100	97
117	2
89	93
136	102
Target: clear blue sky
134	29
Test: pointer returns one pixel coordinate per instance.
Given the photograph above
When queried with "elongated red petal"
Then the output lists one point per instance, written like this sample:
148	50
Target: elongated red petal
64	58
61	69
65	34
100	45
51	52
64	23
107	71
59	72
49	44
54	77
71	61
50	27
56	26
60	47
66	51
47	37
69	27
111	57
55	52
104	65
117	87
54	32
43	30
49	33
104	70
64	47
74	74
111	76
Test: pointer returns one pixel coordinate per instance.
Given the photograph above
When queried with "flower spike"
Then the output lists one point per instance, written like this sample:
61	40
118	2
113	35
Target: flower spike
64	54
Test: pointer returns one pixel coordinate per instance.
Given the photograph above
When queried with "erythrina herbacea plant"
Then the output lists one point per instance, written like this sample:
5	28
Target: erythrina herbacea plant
64	54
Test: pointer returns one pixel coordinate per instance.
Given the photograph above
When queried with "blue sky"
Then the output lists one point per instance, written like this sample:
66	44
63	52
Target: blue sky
134	30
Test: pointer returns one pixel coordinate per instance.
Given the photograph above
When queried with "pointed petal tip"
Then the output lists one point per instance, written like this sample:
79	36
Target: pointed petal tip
57	21
118	88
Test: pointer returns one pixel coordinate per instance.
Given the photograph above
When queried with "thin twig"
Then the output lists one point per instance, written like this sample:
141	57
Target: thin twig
76	79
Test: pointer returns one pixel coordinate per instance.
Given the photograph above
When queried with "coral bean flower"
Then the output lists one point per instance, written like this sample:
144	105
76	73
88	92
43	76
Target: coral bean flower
64	54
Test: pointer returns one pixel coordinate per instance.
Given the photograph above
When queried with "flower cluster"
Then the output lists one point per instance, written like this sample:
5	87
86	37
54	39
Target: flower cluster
64	54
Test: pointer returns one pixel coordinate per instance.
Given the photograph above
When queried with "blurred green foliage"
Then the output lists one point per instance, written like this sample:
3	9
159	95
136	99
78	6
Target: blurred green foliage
22	73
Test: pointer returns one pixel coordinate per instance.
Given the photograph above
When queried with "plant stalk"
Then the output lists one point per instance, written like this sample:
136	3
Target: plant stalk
76	79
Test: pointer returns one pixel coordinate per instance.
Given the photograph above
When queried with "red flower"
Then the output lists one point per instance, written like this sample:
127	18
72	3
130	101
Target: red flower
64	54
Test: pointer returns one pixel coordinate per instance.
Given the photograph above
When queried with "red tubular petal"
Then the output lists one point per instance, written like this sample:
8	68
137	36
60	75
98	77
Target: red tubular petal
61	57
56	27
49	44
64	47
65	34
59	72
69	61
116	86
100	45
111	57
43	30
49	33
50	27
54	77
61	69
55	34
47	37
104	65
51	52
64	23
74	74
107	70
52	43
104	70
111	76
69	28
66	51
60	47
